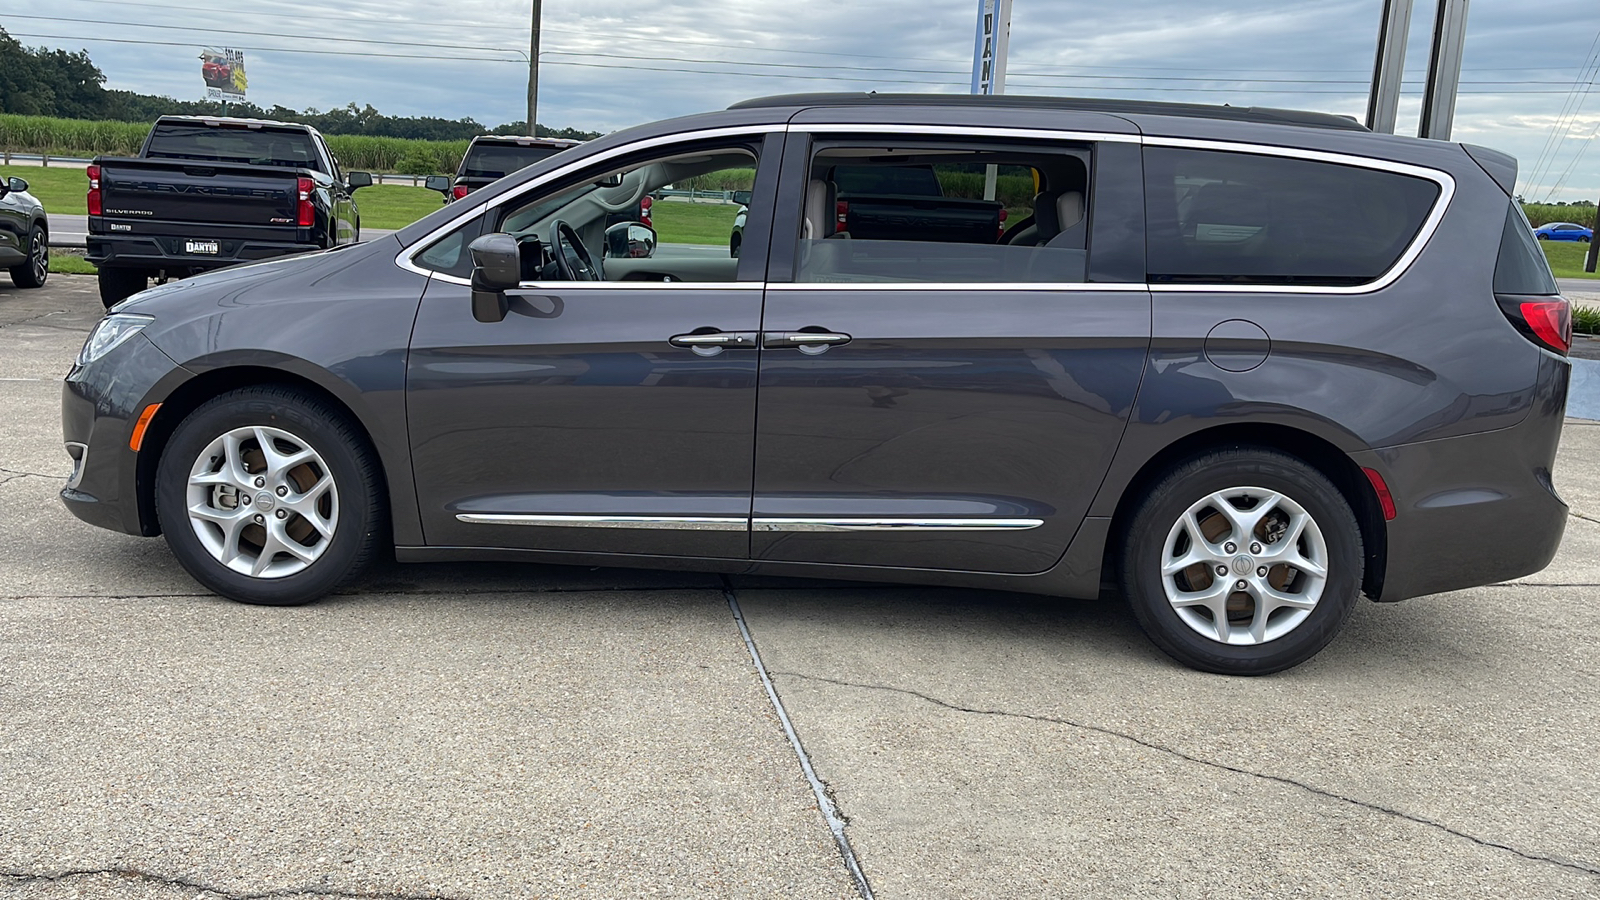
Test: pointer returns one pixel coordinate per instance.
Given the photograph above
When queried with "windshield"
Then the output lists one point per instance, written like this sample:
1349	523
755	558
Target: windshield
500	160
255	146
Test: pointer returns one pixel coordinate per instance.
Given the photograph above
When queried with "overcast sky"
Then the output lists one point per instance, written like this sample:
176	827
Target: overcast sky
1527	65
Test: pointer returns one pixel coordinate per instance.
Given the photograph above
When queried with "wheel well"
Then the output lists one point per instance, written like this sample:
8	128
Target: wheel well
1314	451
191	394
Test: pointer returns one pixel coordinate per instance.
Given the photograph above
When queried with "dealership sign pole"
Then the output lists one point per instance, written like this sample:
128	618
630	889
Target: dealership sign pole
989	62
1383	104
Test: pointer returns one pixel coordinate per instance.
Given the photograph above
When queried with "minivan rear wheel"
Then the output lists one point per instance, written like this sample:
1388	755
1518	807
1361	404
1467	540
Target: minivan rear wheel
1242	561
267	495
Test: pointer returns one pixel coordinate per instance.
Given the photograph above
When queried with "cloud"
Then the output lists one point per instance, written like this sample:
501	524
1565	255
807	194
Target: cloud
1518	77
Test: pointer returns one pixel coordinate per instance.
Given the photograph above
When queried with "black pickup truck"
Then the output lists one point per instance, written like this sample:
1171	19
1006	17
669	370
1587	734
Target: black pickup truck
491	157
205	193
906	203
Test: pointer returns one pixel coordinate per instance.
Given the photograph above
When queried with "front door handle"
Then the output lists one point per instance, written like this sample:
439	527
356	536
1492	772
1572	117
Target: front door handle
815	341
706	342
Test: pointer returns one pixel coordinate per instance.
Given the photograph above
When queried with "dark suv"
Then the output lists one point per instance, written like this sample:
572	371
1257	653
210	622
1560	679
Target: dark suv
491	157
1241	365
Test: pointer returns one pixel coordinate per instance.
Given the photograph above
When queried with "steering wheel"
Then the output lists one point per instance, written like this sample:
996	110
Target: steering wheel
600	200
572	258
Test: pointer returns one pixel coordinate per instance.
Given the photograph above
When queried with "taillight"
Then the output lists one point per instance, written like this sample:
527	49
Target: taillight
95	206
842	209
308	213
644	210
1542	318
1002	232
459	191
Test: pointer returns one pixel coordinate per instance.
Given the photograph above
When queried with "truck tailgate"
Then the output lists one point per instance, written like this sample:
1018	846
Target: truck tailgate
163	192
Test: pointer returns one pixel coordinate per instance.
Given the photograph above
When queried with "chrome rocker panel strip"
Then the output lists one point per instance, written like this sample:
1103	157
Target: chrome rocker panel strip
726	523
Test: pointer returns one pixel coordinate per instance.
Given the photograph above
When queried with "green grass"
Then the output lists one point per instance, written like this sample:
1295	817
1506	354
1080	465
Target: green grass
1566	258
60	189
62	263
395	205
693	223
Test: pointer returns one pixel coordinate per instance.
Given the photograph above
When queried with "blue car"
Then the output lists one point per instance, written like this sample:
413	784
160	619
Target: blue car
1564	231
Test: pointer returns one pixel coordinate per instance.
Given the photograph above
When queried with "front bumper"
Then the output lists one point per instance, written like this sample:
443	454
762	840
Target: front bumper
99	406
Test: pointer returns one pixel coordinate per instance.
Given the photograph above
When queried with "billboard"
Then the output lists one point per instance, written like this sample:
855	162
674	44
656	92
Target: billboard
223	72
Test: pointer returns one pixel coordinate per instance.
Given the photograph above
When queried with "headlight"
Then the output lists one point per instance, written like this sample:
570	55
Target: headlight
112	330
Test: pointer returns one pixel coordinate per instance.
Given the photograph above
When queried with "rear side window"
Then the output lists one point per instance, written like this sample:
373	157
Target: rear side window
1241	218
1521	267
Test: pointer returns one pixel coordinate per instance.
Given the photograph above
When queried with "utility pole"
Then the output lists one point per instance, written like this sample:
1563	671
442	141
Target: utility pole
989	63
1383	104
1594	248
533	74
1444	70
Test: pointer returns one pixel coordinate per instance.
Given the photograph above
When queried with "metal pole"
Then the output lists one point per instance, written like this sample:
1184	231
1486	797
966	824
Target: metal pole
1444	70
1590	258
1383	103
533	74
989	62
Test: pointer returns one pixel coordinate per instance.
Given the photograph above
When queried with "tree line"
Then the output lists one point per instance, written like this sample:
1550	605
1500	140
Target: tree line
38	81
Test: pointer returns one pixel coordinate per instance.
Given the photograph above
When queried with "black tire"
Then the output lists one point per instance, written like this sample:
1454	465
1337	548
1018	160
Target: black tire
118	284
1542	237
1145	548
1583	240
34	272
360	520
733	246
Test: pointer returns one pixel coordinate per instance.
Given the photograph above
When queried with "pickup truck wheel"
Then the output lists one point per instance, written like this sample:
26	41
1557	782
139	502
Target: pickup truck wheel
33	273
267	495
117	285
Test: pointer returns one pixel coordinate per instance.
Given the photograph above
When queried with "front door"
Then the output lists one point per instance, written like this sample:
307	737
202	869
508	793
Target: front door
945	377
611	415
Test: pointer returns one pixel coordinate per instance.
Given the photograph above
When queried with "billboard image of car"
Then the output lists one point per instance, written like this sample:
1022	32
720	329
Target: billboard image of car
223	72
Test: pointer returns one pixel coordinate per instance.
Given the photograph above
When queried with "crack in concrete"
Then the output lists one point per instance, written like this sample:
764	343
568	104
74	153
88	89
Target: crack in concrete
188	885
1579	515
1575	866
15	474
46	315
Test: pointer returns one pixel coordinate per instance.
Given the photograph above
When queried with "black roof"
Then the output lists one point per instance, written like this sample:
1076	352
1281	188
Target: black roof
1258	114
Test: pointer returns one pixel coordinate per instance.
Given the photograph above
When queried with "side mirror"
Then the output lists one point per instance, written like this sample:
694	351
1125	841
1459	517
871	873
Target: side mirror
496	268
360	180
742	197
15	185
630	240
440	183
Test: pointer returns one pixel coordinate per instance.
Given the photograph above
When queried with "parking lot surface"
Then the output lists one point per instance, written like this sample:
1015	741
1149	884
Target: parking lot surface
478	731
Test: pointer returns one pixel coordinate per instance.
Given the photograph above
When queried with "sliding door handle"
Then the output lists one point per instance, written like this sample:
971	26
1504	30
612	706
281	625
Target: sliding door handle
812	341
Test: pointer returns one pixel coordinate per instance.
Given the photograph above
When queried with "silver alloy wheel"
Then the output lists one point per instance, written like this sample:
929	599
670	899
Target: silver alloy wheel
262	502
1244	565
40	258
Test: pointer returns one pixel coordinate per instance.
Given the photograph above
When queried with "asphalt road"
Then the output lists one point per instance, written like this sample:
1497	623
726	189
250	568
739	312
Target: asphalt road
497	731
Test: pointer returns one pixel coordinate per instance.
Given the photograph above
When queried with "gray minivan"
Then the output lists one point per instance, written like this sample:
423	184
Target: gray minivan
1241	365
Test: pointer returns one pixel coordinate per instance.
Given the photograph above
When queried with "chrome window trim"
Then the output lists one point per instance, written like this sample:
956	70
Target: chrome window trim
1441	204
403	260
670	523
969	286
1054	134
1446	183
768	523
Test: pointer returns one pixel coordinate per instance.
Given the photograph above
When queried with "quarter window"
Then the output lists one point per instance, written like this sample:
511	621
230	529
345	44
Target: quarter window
944	212
1240	218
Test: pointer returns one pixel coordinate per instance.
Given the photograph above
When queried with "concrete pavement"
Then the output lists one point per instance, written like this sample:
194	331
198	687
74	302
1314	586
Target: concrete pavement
481	731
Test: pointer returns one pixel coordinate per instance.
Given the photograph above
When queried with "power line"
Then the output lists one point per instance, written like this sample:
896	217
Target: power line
878	79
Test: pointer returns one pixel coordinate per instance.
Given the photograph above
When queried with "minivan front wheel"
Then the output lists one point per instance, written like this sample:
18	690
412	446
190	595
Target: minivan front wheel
268	496
1242	562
